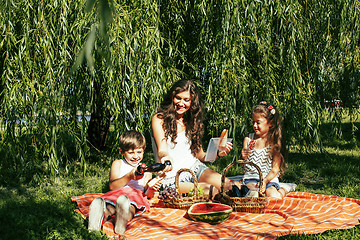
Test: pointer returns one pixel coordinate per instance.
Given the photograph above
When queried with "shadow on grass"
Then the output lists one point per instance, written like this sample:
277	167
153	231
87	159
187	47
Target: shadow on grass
341	135
26	214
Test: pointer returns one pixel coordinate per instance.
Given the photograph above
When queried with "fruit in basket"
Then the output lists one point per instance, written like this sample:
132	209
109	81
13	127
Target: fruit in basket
213	213
167	193
191	193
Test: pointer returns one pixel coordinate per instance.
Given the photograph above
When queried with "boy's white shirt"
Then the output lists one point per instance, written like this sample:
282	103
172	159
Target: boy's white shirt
125	169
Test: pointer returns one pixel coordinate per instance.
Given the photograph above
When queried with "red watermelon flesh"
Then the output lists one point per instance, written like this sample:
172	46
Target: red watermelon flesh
212	213
209	207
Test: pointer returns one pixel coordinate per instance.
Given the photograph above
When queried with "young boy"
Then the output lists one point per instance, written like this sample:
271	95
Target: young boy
129	193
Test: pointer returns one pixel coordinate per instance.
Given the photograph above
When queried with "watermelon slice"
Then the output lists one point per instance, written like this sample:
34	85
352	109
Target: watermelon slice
213	213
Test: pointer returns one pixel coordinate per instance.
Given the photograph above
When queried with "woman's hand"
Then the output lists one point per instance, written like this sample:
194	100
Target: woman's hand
167	168
224	151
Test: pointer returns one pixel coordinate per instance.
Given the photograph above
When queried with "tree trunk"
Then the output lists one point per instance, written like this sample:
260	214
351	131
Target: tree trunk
98	129
99	124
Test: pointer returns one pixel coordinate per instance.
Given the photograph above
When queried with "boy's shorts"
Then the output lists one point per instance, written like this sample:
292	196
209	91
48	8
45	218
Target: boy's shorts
136	197
254	180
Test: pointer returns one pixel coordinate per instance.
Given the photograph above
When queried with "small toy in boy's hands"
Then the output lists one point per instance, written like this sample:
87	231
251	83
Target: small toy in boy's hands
157	167
155	183
142	168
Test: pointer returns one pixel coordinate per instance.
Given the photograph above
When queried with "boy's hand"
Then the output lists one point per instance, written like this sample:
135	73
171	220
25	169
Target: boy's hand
134	176
155	183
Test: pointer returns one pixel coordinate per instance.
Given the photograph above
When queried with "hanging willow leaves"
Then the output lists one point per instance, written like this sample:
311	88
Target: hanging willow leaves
61	61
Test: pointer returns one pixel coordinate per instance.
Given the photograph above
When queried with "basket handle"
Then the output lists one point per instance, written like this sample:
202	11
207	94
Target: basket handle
193	176
241	162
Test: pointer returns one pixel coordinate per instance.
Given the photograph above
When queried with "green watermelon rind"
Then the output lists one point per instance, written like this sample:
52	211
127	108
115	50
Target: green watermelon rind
212	217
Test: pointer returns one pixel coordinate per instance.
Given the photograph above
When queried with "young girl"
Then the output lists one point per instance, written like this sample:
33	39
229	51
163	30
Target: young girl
177	130
129	193
266	149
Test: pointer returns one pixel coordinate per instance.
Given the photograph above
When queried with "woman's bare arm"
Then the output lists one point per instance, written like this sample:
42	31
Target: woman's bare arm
160	140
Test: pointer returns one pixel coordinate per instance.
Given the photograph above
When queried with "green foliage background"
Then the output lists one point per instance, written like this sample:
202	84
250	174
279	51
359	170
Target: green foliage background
62	60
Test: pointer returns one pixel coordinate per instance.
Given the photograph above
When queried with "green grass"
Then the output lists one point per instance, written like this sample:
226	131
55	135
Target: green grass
45	211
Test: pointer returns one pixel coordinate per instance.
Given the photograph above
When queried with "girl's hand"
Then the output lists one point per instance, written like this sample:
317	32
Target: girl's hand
224	151
263	187
245	152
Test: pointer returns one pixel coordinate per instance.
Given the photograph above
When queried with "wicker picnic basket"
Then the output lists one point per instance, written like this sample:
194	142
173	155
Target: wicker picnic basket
185	202
242	204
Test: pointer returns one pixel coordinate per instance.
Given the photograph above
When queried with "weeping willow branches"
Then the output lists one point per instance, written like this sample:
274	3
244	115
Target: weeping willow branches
64	61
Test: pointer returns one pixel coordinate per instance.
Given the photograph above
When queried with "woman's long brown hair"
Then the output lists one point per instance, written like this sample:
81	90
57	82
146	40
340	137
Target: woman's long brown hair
193	118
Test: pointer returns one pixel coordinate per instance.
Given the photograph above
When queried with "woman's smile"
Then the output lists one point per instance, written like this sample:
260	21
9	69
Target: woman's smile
182	102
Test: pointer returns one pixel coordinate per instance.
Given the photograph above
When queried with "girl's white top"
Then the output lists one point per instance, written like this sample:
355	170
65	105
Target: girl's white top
261	157
126	168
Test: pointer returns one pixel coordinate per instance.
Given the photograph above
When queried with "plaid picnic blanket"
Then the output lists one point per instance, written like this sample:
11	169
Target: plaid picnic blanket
297	213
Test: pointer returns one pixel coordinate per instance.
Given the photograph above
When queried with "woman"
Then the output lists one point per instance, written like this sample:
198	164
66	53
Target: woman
177	130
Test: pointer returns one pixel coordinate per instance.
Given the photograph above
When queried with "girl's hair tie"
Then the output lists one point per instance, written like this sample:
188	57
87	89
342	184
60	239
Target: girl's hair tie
269	106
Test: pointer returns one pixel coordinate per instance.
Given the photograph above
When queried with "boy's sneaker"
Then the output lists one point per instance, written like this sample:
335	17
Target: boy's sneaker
96	214
122	214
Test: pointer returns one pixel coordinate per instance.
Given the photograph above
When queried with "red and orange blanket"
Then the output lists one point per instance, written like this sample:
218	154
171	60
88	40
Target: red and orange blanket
297	213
